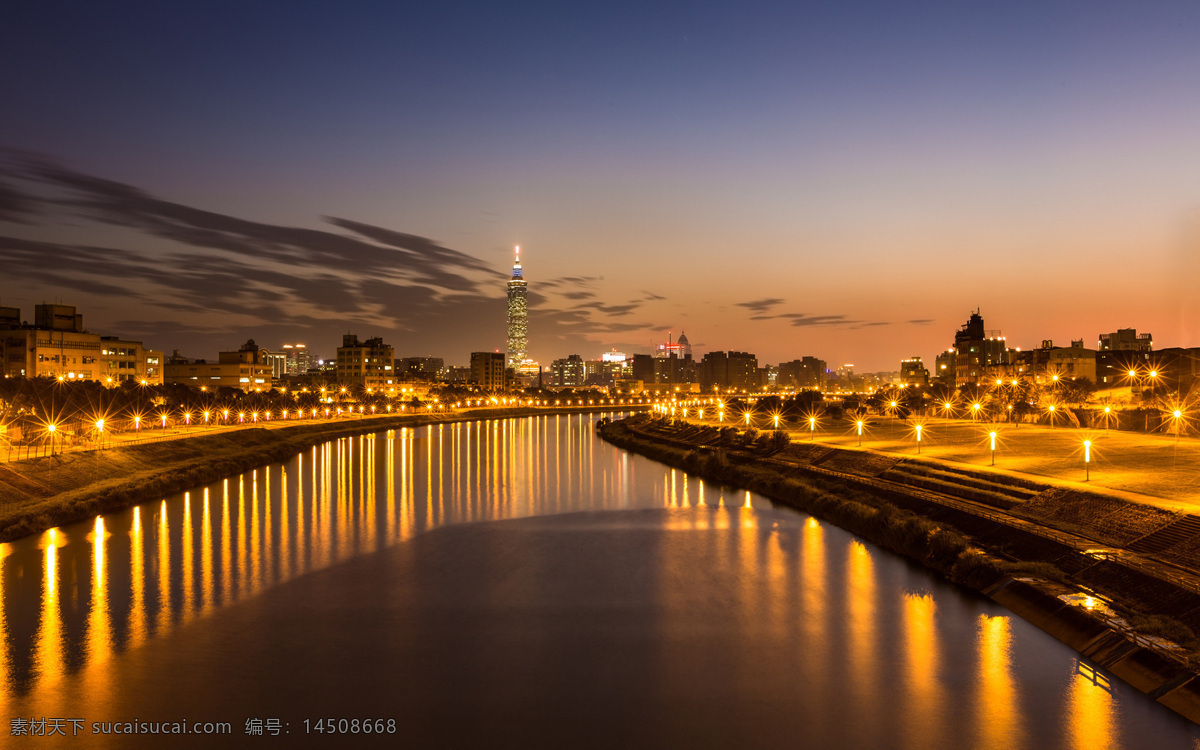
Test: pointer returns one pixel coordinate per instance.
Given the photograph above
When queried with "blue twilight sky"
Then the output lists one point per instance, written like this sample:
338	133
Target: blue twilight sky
846	180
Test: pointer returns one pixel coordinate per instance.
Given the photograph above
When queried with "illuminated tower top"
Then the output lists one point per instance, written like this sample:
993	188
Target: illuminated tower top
518	314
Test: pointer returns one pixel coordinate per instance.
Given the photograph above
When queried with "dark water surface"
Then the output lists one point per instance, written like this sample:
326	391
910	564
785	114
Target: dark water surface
519	582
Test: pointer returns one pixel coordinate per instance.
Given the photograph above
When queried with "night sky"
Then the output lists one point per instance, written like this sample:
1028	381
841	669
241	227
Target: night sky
845	180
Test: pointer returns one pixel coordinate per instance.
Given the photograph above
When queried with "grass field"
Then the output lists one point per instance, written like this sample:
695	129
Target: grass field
1166	472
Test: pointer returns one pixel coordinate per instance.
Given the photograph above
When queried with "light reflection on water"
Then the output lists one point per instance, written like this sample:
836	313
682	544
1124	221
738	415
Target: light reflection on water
916	660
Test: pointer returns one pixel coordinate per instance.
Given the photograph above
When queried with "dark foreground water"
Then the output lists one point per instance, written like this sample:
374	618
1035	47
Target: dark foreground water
518	582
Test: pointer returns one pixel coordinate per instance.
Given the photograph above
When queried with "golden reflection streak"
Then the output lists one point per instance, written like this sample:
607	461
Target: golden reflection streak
923	718
242	579
998	718
287	552
137	583
48	655
389	480
405	498
189	571
345	531
474	500
5	669
1091	711
372	523
441	494
861	615
777	576
270	567
534	478
99	635
358	503
226	547
471	480
164	572
430	514
208	596
255	583
814	586
312	511
5	664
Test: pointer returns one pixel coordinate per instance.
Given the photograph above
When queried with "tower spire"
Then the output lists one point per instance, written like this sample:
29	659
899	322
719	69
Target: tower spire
517	313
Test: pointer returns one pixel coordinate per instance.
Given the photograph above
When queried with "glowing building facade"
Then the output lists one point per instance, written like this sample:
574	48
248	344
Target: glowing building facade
518	314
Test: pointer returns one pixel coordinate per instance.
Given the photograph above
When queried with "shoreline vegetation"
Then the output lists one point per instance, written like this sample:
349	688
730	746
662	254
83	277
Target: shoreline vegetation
1113	579
42	493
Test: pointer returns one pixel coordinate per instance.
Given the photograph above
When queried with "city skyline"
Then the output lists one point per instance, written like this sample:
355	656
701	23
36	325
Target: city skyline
845	182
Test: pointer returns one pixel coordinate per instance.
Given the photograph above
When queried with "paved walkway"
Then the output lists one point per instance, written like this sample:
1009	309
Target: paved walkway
1149	468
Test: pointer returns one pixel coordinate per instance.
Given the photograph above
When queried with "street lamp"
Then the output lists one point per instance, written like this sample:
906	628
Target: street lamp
1087	460
860	426
918	439
992	435
812	429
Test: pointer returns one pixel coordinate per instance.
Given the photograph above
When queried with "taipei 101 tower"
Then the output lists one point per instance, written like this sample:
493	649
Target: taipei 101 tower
517	314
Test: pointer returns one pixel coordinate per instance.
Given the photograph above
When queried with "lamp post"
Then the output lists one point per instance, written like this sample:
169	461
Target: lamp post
1178	414
992	435
918	439
860	426
812	429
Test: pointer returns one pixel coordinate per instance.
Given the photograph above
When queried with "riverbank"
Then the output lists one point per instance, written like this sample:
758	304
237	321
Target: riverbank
42	493
1066	560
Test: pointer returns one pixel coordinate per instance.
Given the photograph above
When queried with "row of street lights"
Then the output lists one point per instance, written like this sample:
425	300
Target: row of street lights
918	430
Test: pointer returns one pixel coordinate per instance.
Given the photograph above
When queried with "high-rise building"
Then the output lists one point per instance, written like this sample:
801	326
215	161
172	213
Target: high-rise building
568	373
420	368
366	364
247	369
807	372
58	346
976	350
733	370
488	371
913	372
518	314
1126	340
297	358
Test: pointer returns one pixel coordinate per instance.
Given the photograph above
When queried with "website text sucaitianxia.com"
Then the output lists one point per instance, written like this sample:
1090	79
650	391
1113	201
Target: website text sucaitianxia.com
74	727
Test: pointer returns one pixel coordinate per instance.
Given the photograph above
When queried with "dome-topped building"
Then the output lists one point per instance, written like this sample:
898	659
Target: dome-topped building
685	348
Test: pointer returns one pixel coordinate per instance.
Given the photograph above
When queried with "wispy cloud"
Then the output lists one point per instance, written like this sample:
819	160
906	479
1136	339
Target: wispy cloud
761	305
805	320
214	275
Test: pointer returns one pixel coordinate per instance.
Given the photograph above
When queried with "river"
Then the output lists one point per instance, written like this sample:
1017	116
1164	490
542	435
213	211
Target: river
519	581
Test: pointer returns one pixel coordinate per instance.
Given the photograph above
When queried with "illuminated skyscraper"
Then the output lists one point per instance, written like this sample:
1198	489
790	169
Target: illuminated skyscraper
518	314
